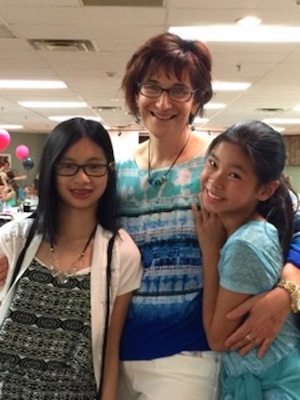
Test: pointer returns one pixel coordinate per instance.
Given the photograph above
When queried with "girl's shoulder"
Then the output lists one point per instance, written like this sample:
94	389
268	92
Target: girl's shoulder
126	247
122	241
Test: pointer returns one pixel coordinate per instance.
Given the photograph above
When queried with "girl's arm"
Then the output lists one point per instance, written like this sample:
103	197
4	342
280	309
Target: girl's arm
217	301
111	369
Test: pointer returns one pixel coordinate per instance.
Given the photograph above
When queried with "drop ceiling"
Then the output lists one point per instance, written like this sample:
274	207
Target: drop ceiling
96	39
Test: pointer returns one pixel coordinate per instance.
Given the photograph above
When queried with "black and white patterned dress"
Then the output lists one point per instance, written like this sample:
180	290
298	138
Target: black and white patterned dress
45	339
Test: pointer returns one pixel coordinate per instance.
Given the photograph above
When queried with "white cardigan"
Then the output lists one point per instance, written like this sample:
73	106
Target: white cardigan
125	266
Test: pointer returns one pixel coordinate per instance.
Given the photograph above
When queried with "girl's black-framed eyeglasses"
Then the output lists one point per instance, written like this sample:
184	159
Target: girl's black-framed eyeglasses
91	169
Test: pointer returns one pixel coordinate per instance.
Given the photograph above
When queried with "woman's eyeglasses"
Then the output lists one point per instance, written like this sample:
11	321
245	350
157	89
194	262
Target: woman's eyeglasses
177	93
93	169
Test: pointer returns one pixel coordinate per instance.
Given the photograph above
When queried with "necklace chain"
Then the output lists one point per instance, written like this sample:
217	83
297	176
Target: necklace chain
159	181
61	276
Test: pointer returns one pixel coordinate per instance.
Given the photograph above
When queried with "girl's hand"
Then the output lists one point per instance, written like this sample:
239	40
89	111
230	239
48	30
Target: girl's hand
210	231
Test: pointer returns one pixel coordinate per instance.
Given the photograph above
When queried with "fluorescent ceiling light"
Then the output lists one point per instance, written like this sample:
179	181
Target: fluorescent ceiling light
278	128
237	33
282	121
199	120
53	104
214	106
28	84
60	118
249	21
11	126
218	86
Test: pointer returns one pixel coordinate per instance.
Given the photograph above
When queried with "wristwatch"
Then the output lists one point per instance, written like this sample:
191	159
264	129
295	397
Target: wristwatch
294	292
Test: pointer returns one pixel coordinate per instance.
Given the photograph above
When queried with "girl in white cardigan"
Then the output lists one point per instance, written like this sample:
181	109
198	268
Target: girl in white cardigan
64	300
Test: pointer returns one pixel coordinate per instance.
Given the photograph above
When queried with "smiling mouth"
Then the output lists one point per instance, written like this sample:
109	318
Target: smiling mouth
212	196
81	192
163	117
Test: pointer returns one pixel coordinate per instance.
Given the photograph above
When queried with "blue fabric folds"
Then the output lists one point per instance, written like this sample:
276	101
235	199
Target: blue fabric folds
281	381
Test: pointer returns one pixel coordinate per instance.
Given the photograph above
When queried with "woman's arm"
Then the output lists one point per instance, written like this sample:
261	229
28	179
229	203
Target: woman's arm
111	370
265	313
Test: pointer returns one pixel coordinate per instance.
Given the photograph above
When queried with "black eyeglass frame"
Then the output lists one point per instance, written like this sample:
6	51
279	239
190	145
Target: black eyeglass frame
167	90
108	168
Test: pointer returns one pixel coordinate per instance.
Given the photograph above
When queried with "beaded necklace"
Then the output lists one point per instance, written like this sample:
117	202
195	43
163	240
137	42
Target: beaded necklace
159	181
61	276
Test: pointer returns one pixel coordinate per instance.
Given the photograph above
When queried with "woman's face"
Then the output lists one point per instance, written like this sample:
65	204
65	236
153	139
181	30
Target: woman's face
81	191
162	116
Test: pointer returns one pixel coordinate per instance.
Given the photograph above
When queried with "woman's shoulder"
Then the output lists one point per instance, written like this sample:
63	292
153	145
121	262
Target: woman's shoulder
199	144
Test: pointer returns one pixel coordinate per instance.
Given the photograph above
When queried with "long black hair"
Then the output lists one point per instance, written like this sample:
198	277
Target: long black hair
63	136
266	149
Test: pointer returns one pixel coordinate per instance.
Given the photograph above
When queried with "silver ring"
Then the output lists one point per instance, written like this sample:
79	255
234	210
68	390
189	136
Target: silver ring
249	338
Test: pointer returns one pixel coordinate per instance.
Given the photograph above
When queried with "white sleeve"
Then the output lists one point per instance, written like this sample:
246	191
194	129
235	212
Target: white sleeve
130	264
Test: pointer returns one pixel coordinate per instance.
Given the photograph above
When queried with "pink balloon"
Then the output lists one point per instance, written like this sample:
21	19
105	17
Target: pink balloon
22	152
4	139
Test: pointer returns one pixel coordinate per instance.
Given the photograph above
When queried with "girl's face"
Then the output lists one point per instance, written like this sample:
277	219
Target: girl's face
229	183
81	191
163	116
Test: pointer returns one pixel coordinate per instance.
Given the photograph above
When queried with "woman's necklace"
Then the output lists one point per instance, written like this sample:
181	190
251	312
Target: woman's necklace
159	181
61	276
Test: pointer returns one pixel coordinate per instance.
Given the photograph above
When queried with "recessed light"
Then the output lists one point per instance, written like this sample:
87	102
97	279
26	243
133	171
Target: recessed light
282	121
220	86
60	118
199	120
30	84
214	106
11	126
236	33
250	20
53	104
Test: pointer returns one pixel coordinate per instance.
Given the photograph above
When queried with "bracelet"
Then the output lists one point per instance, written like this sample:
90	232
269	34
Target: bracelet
294	292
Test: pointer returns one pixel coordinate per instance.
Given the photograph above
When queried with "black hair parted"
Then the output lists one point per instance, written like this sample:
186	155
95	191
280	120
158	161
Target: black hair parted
265	147
63	136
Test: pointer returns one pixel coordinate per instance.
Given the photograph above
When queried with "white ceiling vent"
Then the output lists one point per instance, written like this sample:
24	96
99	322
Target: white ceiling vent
62	45
121	3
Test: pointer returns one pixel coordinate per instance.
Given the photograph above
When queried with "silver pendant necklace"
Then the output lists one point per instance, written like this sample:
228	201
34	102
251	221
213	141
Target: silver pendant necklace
61	276
161	180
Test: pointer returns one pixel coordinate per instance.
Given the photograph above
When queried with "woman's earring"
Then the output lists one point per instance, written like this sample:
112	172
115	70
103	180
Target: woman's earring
191	120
